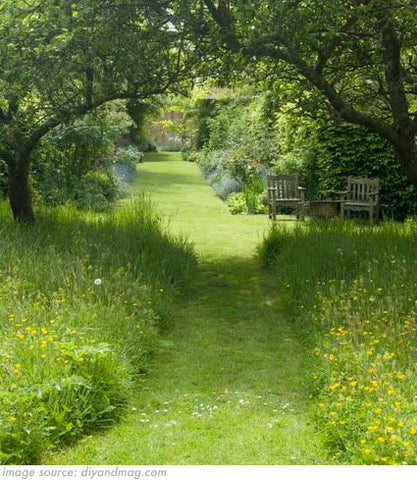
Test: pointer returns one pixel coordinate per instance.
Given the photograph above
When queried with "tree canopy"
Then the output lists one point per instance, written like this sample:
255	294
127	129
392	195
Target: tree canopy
60	60
359	55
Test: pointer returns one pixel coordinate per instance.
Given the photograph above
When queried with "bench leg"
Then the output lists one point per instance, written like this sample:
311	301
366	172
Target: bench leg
300	212
273	206
371	215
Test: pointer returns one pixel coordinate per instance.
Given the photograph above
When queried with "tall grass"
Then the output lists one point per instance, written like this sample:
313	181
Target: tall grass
81	299
352	291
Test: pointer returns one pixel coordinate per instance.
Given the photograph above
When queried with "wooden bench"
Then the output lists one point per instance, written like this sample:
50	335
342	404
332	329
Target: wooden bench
361	195
283	190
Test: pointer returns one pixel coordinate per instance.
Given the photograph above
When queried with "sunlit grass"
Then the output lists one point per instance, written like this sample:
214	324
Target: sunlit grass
81	298
352	289
226	384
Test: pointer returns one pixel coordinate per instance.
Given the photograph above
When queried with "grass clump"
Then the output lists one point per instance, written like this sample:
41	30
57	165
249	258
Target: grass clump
352	289
81	300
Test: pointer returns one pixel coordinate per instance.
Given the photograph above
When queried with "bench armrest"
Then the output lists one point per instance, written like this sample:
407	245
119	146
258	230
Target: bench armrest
342	195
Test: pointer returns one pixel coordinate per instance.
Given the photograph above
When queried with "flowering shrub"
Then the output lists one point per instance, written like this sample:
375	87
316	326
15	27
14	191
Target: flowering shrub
358	307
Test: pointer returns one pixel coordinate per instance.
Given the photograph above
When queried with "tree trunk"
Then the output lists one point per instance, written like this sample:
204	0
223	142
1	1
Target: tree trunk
19	191
406	153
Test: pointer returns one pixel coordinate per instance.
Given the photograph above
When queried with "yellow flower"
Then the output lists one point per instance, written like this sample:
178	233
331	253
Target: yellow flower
366	451
44	331
413	431
339	404
372	428
322	405
12	419
353	384
397	404
377	411
331	357
384	459
400	424
400	376
380	439
43	356
20	336
391	420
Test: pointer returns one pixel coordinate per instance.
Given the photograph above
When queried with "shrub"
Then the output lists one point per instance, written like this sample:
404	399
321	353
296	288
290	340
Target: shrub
64	158
251	201
224	186
124	161
97	191
190	156
238	150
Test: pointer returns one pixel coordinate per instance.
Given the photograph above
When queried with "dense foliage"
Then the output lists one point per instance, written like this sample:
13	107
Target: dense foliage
239	147
86	162
352	293
81	298
60	61
324	154
356	59
246	137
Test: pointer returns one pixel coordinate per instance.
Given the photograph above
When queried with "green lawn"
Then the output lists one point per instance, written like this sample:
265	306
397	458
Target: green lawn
226	384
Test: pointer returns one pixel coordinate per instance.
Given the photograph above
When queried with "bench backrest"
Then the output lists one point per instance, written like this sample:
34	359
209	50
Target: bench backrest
285	186
363	189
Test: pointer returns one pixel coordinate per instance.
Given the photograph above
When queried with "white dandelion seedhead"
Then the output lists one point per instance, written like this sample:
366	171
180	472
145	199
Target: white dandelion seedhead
97	281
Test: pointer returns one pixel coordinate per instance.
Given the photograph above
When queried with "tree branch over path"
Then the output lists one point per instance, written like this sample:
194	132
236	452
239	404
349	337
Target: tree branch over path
343	49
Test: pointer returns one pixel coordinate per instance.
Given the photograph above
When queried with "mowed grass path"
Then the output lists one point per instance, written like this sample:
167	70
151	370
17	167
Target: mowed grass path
225	385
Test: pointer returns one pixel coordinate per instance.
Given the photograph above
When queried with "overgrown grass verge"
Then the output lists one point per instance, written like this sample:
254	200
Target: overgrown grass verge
352	290
81	298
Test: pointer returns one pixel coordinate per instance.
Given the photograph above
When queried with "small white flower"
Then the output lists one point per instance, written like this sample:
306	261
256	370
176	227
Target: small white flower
97	281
